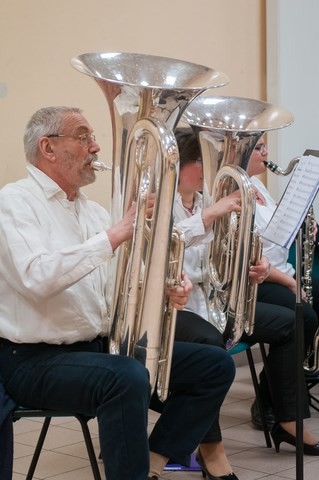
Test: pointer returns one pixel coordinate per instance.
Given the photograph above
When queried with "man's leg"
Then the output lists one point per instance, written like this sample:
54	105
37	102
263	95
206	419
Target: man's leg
113	388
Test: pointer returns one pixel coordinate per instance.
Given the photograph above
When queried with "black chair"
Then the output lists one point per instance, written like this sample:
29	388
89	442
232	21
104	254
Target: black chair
21	412
312	380
245	347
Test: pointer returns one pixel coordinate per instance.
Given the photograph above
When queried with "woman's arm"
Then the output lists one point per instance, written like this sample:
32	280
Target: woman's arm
230	203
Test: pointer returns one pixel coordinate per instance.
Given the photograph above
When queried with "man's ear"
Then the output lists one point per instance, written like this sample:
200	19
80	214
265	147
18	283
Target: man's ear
46	148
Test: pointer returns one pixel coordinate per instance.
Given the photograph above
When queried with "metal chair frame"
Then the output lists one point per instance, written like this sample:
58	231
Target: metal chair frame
312	381
21	412
245	347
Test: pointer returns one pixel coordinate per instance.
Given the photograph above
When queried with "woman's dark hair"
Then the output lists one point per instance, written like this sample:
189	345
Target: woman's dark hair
189	149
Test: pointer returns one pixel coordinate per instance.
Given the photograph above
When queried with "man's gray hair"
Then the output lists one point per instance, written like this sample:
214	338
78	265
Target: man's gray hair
46	121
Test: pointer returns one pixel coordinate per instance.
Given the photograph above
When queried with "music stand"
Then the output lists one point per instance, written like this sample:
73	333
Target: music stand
299	362
283	228
300	351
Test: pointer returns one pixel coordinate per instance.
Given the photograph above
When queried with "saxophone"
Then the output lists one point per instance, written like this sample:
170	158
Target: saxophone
311	362
308	249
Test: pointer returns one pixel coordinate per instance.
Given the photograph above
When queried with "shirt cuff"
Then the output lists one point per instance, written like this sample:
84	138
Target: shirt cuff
102	244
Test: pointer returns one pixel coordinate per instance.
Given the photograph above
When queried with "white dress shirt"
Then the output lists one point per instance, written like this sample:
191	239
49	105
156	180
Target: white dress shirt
276	254
52	263
196	240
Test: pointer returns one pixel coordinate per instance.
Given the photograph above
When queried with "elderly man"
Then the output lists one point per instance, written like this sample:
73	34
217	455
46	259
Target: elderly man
55	246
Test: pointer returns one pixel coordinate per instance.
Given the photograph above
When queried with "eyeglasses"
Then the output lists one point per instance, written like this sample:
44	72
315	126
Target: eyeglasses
85	140
262	148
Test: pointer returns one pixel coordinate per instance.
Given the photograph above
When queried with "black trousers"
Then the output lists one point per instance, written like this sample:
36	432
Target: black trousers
275	326
191	327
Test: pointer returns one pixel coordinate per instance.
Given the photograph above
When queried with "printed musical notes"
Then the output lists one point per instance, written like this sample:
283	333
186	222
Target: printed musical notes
295	201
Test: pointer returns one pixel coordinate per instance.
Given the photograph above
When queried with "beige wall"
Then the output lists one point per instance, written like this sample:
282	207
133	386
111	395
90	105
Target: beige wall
293	79
38	38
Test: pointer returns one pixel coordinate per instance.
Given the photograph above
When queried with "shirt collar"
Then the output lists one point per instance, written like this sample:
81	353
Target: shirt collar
49	186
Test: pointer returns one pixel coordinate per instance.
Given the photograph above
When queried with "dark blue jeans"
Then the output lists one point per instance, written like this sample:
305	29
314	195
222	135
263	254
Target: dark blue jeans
81	378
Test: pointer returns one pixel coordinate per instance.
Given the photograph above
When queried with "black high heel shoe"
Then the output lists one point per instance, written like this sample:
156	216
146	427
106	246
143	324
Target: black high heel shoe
280	435
205	472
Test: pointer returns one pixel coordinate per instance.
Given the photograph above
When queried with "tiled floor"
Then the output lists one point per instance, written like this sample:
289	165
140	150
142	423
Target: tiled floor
64	456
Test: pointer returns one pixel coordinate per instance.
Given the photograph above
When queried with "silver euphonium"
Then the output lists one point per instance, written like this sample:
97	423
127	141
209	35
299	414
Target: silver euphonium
228	128
146	96
311	363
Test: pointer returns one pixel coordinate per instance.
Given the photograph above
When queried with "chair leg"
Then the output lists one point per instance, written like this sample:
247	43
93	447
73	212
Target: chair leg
266	368
89	446
312	398
38	448
258	396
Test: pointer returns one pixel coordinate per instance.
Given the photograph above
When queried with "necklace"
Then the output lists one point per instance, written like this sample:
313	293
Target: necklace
190	210
189	206
259	197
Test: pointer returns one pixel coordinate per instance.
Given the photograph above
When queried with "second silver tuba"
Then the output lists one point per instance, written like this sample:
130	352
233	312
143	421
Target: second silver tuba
146	96
228	128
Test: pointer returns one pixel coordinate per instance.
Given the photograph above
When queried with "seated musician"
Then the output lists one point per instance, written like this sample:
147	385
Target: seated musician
274	319
281	285
55	246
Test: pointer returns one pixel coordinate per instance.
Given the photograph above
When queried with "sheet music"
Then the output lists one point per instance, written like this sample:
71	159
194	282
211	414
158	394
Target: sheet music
295	202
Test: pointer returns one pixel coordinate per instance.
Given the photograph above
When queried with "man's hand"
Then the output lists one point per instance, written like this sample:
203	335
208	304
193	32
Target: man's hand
123	230
178	296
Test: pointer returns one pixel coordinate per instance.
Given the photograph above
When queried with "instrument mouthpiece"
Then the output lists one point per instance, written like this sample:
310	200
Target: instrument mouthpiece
100	166
272	167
